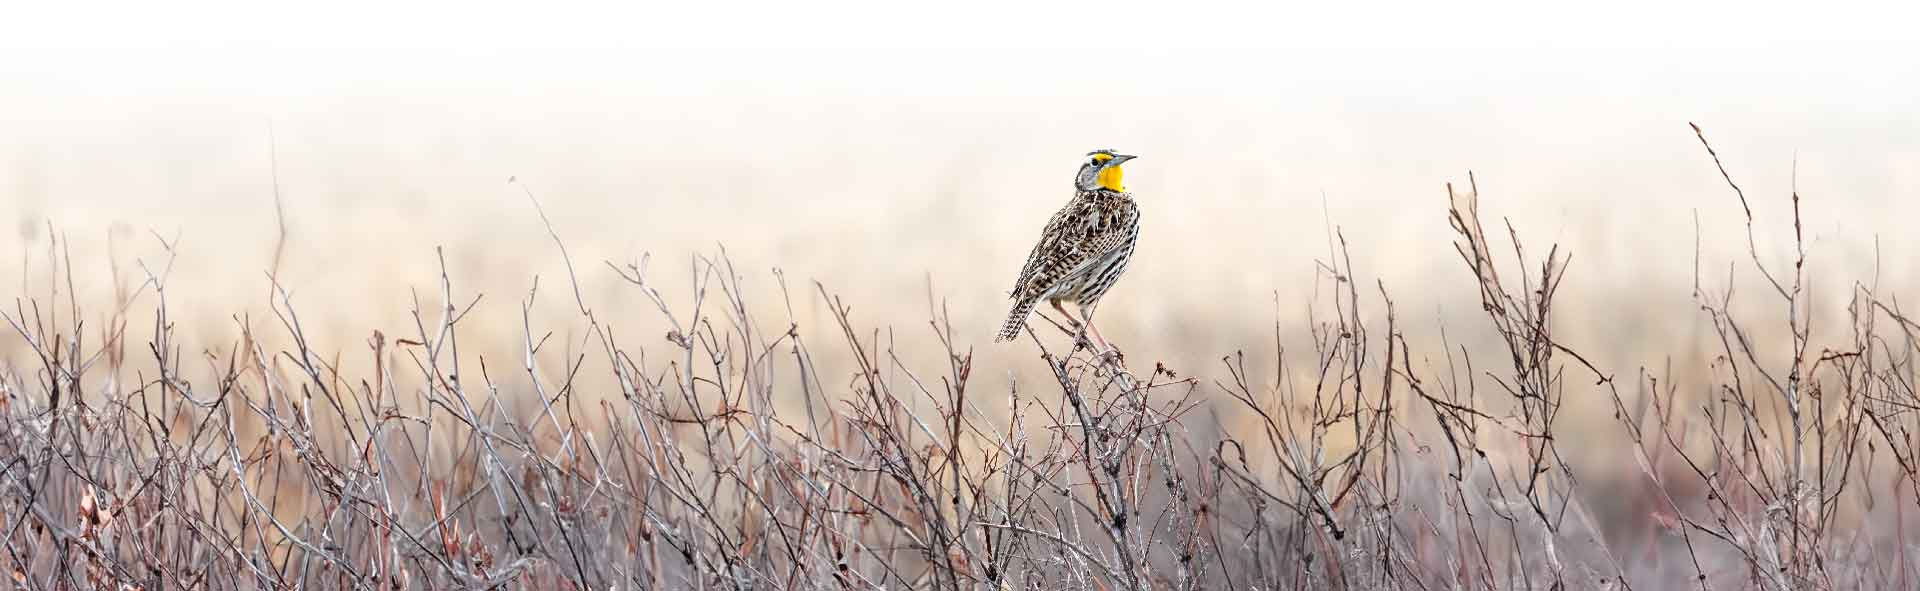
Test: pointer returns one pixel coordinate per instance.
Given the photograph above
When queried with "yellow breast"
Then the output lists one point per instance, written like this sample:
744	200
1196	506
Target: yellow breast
1110	178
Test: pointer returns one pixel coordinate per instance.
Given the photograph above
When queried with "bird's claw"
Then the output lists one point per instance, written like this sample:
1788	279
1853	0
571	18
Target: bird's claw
1081	342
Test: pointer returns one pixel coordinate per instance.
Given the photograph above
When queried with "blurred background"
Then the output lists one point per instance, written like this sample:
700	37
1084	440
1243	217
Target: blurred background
906	158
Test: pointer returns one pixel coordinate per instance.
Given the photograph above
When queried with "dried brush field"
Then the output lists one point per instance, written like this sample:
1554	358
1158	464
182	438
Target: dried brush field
725	455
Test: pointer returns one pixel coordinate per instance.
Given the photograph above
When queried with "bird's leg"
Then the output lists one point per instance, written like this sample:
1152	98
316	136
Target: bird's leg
1079	328
1086	314
1063	312
1106	348
1099	339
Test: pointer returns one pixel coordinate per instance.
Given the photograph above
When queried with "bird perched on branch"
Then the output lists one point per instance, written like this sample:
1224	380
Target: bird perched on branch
1082	251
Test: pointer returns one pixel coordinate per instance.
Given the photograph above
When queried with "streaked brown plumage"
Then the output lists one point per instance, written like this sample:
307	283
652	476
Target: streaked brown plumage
1083	250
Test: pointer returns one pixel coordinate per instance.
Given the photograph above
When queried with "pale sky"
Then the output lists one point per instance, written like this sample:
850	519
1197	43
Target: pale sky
990	23
917	47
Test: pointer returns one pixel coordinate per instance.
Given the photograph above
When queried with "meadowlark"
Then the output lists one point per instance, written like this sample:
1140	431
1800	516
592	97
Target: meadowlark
1082	251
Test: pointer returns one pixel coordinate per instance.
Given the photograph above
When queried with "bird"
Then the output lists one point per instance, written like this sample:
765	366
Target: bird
1082	251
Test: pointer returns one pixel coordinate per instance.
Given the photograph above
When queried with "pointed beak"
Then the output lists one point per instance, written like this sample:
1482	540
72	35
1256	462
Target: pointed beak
1121	159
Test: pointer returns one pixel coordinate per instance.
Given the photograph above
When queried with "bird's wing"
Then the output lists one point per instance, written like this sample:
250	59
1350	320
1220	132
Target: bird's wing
1089	226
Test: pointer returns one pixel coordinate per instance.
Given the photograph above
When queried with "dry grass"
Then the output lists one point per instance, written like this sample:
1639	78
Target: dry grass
726	456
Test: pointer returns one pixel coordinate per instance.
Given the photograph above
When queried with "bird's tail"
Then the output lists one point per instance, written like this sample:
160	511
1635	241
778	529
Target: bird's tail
1016	320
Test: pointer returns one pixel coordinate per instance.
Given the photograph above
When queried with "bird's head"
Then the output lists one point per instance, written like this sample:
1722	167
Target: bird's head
1101	171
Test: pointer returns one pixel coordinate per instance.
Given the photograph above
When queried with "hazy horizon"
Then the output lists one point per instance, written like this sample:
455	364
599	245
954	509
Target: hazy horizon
894	183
